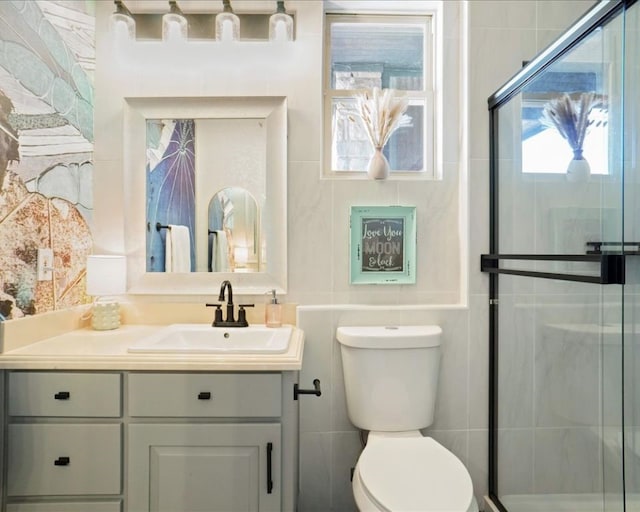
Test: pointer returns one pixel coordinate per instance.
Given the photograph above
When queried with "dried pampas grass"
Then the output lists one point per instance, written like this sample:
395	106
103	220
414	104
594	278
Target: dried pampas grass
381	112
570	118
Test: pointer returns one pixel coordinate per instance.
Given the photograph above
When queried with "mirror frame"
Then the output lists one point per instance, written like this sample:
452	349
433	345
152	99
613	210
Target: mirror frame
273	110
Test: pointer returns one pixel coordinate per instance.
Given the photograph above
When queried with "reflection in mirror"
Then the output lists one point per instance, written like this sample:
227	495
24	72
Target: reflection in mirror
170	170
234	236
573	84
206	231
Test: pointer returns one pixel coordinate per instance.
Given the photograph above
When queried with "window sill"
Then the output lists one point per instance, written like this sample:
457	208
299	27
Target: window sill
362	176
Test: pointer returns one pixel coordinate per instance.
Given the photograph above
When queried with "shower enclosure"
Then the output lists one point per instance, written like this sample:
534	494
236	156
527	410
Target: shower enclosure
564	267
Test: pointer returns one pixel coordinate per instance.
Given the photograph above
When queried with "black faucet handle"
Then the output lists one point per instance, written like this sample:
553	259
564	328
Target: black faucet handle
242	314
217	318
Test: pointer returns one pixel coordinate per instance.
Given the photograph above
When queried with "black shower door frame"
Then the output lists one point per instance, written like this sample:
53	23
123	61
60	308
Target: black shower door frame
612	264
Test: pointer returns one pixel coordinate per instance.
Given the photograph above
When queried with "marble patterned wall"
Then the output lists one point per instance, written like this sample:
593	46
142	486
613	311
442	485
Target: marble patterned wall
47	60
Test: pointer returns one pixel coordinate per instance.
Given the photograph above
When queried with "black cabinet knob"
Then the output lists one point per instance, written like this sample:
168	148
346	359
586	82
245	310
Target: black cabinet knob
204	395
62	395
62	461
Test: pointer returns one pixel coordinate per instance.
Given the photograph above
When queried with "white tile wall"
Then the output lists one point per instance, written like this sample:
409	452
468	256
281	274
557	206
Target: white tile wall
502	35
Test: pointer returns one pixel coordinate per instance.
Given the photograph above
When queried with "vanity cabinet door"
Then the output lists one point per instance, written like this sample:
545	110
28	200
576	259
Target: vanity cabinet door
204	467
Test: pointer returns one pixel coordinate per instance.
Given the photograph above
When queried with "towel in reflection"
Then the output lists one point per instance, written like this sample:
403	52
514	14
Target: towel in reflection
177	249
219	251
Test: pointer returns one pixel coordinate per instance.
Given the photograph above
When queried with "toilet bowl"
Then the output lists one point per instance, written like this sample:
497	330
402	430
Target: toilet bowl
402	473
391	376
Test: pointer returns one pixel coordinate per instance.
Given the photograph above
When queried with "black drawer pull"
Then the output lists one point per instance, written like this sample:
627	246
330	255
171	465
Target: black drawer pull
204	395
62	395
62	461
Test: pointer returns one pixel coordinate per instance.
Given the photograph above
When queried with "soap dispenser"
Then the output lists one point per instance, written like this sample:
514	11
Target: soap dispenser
273	311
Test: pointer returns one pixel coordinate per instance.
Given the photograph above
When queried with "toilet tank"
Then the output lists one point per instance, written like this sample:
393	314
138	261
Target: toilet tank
390	375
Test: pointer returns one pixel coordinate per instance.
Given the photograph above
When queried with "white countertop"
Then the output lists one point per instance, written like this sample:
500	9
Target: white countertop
86	349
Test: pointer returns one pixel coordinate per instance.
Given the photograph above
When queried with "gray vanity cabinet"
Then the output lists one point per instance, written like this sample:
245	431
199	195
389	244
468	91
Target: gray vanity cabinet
211	466
141	441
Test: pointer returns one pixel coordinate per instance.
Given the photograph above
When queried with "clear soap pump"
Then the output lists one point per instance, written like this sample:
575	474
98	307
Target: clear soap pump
272	310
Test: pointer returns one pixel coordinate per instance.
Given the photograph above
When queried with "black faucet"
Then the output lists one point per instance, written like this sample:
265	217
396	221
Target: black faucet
230	321
227	285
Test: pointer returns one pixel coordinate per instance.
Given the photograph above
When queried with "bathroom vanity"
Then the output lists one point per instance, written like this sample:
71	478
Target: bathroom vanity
91	427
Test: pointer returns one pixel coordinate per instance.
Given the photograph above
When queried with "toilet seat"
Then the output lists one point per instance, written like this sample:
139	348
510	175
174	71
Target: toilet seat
414	473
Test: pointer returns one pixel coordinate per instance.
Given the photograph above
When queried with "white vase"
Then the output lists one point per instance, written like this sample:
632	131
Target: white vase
378	168
579	170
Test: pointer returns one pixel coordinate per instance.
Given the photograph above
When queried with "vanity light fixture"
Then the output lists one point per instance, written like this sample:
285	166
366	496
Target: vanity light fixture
280	24
122	22
174	24
106	279
227	24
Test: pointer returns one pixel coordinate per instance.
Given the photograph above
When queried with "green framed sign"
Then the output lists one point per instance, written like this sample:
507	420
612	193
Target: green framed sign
383	244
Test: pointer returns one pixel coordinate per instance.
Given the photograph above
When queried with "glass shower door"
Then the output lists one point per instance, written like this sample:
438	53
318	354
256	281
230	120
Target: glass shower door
557	282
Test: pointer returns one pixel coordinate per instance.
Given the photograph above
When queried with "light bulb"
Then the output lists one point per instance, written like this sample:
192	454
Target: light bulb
280	24
174	24
122	23
227	24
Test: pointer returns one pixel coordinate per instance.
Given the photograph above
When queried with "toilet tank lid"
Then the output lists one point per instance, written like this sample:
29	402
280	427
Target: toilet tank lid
390	337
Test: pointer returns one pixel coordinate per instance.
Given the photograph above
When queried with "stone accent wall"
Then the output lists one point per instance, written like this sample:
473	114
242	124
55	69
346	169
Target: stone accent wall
47	61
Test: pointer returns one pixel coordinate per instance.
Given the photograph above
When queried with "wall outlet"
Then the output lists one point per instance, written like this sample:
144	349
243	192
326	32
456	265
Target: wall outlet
45	264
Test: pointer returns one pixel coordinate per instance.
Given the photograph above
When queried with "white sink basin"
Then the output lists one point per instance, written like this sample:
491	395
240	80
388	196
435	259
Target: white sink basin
204	339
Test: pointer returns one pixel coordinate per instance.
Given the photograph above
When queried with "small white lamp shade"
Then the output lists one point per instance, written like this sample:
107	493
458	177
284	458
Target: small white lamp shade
106	276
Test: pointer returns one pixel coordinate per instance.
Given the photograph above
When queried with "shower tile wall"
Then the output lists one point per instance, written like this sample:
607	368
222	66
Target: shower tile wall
557	369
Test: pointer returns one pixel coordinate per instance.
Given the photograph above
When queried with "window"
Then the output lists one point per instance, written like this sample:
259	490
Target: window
384	51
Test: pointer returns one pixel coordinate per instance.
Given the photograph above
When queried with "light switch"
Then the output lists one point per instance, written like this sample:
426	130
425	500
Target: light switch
45	264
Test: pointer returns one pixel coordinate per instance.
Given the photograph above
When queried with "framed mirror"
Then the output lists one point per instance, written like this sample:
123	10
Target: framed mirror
215	169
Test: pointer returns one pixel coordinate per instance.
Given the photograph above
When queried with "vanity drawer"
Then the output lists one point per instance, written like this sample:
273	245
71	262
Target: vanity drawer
210	395
64	394
63	459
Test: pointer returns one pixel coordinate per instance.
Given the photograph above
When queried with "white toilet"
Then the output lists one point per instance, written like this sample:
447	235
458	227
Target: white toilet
391	377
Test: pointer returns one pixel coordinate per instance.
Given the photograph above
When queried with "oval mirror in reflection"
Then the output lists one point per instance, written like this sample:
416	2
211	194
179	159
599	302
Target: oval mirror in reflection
234	232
